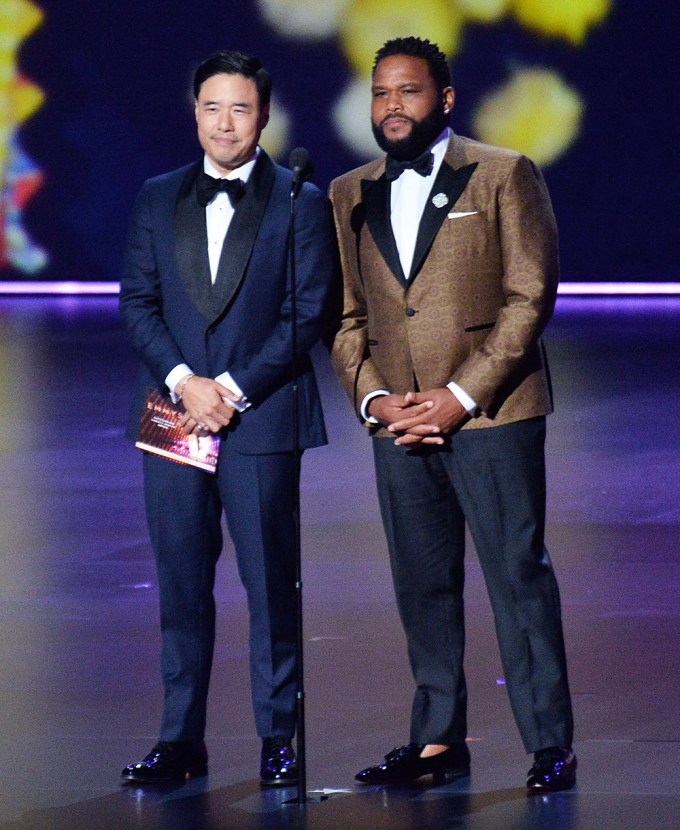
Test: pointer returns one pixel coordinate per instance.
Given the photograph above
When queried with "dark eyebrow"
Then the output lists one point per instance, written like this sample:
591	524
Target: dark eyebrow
375	87
211	103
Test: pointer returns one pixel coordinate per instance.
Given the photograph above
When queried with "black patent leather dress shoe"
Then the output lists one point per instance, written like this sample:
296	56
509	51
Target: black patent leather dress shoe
169	761
278	766
554	769
404	766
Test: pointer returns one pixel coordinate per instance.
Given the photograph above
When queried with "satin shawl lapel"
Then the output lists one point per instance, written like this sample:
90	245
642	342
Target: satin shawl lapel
240	238
451	183
191	244
375	194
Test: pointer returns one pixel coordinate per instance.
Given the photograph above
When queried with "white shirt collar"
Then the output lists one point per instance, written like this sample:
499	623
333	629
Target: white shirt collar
408	197
243	172
440	147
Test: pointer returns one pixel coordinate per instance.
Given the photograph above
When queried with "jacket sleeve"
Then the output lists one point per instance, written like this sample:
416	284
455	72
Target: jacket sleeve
140	295
528	241
350	353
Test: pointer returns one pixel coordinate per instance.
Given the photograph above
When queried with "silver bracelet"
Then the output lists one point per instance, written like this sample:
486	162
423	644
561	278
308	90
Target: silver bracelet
183	386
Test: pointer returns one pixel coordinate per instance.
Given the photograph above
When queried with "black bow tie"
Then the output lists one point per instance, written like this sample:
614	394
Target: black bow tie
208	187
423	165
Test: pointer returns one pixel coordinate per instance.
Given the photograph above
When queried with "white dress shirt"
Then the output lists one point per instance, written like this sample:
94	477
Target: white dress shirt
408	197
218	216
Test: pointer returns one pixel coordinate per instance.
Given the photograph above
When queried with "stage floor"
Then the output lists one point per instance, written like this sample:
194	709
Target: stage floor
79	686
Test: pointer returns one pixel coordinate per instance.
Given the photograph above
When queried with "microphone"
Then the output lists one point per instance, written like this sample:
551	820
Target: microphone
301	166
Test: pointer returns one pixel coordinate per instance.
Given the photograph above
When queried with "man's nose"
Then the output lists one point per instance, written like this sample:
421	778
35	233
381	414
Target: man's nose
394	101
224	122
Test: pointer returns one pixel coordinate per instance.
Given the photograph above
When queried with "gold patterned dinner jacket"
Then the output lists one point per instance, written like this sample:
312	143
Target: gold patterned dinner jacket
481	289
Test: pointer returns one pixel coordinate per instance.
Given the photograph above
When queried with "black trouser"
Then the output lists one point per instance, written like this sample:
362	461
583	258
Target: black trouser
493	479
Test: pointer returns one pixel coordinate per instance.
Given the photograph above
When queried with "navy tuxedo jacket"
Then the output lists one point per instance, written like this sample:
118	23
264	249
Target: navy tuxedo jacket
241	324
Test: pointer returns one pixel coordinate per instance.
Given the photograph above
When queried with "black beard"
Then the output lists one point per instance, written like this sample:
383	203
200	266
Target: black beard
422	134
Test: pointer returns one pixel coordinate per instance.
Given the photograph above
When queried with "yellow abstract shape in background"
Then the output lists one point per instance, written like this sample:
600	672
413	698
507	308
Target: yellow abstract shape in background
482	11
19	99
24	99
570	19
18	18
367	24
535	113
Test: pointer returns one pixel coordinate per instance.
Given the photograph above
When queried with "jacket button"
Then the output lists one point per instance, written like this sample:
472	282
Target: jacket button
410	312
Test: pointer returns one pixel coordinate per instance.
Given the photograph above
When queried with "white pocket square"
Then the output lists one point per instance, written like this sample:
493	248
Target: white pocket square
458	214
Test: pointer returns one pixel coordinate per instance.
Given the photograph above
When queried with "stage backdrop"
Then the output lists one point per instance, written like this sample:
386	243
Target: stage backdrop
95	98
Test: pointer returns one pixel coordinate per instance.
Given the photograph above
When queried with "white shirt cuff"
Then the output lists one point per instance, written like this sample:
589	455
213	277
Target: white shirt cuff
366	401
227	380
463	397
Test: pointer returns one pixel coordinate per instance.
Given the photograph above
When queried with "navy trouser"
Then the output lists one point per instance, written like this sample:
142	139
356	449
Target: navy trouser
184	507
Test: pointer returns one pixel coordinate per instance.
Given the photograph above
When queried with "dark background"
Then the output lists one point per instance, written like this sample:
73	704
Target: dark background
117	110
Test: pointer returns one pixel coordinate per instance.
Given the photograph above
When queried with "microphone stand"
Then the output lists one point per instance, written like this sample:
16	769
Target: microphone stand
302	170
298	173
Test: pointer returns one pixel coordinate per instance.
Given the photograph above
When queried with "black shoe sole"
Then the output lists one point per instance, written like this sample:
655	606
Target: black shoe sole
279	782
439	777
541	789
187	775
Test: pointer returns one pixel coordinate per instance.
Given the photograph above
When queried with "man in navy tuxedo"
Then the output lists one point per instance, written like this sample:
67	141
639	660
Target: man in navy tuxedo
206	299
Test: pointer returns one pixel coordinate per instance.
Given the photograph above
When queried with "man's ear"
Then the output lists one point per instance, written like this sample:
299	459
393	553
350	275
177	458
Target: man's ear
264	117
449	98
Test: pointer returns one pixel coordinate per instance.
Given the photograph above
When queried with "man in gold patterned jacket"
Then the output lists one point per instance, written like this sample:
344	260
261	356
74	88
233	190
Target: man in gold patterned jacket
449	256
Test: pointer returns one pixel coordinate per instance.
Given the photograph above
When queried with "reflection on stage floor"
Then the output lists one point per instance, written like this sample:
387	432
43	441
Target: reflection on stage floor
80	689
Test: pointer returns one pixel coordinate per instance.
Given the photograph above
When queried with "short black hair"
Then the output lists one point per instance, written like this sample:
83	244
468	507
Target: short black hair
417	47
235	63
